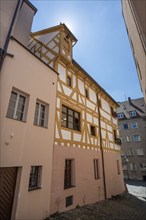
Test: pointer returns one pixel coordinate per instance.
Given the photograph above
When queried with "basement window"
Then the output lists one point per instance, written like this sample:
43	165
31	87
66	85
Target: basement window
69	201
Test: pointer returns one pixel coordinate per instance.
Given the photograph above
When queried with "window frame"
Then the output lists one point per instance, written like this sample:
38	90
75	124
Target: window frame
133	114
35	176
120	115
124	126
69	81
69	201
71	118
69	173
134	139
86	93
118	167
135	124
93	130
17	103
38	119
96	169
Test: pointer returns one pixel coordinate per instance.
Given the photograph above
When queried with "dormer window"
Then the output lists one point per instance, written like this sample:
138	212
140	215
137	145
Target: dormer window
120	115
133	113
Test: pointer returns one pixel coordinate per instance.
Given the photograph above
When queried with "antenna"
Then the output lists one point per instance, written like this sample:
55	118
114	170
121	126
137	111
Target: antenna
125	96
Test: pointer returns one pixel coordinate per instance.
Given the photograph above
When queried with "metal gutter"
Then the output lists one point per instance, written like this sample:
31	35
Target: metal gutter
101	148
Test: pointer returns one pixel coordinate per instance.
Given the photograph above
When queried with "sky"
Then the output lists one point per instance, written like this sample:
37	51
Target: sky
103	49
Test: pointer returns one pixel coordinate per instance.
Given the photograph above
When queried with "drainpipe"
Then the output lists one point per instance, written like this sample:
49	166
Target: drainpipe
101	147
3	52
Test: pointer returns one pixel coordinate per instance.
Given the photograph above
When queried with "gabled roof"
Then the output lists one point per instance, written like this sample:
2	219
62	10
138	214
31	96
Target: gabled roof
137	105
56	28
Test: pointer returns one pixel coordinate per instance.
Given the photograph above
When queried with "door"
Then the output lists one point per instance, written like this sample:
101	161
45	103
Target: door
8	177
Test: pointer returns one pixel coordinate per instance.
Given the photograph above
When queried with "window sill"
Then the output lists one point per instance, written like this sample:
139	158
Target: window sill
35	188
16	119
41	126
68	187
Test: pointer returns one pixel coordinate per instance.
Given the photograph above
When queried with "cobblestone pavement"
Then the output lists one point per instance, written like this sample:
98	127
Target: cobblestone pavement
122	207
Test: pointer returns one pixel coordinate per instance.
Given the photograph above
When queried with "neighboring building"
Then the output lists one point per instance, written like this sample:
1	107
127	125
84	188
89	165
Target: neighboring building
134	13
86	162
27	114
132	125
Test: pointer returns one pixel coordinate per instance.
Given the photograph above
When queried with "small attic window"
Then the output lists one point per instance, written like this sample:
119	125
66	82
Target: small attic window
120	115
133	113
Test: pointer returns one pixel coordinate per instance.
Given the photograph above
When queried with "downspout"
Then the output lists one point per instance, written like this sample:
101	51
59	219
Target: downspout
3	52
101	147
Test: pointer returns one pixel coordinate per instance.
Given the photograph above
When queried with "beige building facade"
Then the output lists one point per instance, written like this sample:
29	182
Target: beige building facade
132	125
27	114
134	13
86	161
60	143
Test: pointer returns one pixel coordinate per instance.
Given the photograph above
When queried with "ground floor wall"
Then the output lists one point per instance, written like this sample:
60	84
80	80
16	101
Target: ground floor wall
88	185
17	201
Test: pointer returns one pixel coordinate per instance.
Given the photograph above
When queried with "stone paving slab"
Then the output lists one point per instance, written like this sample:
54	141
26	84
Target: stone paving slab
121	207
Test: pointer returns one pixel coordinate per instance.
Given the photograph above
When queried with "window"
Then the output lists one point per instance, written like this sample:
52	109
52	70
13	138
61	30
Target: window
35	177
69	81
133	113
132	166
125	126
70	118
69	201
114	114
136	138
120	115
134	125
96	168
86	93
68	174
127	138
17	106
140	152
93	130
124	167
118	167
40	117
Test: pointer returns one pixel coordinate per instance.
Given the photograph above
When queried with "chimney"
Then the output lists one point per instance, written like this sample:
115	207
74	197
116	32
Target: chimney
129	100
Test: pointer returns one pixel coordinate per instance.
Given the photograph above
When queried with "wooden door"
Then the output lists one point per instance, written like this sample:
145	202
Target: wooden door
8	177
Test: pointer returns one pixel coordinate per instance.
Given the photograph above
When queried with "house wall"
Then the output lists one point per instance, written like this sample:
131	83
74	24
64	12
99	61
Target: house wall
130	148
22	143
23	20
83	147
134	13
86	188
79	145
7	9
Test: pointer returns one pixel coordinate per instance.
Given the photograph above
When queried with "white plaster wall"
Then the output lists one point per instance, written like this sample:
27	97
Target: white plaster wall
92	95
62	72
90	105
105	115
89	117
76	137
66	134
45	38
105	105
81	87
